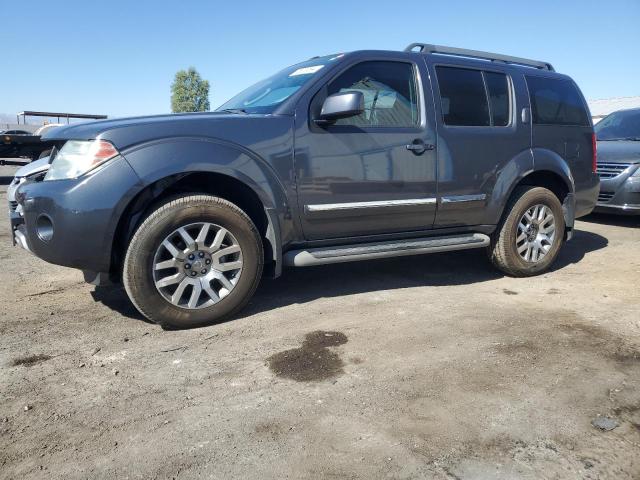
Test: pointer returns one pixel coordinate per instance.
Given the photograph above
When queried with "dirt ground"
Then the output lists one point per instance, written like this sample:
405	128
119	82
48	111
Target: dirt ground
434	366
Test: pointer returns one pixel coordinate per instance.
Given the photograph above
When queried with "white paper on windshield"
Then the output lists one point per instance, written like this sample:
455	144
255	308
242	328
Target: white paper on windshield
306	70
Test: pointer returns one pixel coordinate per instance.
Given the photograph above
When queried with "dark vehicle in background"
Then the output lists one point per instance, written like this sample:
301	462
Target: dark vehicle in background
618	138
14	132
345	157
23	145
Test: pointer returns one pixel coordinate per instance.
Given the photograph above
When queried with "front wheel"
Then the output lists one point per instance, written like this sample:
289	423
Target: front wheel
194	261
529	237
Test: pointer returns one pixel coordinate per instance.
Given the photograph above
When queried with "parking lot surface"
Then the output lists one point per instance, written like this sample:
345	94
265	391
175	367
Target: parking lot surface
435	366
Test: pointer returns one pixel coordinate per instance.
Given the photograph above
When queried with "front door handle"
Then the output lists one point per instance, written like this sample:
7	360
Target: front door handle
419	147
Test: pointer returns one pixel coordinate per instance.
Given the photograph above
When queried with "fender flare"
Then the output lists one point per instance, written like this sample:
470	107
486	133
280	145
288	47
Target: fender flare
168	157
521	166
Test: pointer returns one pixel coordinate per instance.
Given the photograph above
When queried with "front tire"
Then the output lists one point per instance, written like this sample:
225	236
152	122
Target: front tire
194	261
531	233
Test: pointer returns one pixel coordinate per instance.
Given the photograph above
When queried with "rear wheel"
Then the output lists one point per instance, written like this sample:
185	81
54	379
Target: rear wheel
530	236
194	261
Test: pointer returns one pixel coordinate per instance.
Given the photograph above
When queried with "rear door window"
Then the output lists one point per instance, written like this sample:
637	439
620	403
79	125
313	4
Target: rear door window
556	102
463	97
498	91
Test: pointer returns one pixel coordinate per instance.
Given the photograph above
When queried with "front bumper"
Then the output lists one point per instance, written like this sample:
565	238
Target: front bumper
83	214
619	196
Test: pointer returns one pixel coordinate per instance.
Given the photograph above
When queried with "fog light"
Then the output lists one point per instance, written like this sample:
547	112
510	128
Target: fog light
44	228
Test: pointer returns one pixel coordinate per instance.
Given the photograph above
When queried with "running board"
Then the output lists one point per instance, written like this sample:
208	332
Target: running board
397	248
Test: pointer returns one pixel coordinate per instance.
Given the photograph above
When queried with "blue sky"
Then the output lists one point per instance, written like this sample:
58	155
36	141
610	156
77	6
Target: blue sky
119	57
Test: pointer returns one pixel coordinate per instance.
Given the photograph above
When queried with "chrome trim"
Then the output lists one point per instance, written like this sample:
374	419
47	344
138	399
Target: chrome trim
464	198
326	207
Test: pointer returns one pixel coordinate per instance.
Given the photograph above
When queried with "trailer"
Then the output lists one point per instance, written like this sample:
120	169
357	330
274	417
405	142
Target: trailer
32	147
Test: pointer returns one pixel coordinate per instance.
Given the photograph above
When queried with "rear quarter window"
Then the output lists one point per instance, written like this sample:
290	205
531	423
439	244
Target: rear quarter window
556	102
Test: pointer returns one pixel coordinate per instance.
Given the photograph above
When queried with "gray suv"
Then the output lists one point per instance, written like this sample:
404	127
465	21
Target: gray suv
345	157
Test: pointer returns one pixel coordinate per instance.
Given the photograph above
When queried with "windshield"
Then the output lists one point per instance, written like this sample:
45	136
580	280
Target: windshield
622	125
267	95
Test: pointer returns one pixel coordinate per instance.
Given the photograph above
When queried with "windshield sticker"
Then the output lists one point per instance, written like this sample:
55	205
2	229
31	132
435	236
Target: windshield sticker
306	70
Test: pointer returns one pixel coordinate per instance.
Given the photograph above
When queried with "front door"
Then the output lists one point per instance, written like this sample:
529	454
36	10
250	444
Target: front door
358	176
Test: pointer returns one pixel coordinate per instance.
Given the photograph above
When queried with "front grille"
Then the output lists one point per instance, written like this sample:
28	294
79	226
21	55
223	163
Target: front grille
13	206
604	197
610	170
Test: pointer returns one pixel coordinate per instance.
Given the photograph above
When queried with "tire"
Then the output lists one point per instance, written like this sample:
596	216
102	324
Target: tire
145	282
508	249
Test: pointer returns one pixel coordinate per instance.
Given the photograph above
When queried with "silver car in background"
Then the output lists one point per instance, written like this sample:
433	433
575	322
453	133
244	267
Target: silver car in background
618	162
31	171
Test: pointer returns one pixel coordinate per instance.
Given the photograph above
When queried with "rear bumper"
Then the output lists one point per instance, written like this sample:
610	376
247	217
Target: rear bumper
586	195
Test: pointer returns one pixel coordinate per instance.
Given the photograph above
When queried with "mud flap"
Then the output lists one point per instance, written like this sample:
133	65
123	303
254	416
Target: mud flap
569	212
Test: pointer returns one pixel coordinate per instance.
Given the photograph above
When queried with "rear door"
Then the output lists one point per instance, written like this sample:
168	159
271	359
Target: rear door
357	177
480	132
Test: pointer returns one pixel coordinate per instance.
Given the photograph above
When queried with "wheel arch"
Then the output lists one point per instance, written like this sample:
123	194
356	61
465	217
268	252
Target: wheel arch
231	188
533	167
555	176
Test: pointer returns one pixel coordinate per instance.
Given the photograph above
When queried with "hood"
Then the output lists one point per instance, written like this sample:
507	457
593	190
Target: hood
618	151
33	168
91	130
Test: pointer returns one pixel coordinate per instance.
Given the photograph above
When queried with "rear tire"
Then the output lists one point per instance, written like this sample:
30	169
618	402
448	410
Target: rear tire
530	234
157	272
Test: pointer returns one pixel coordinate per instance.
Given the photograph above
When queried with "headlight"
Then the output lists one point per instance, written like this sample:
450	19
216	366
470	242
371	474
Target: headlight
77	157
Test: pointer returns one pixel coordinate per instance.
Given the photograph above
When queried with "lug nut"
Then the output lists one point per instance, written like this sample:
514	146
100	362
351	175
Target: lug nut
187	266
203	271
207	261
193	274
191	256
201	254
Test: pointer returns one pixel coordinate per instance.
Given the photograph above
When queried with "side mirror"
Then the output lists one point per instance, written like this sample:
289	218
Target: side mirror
341	105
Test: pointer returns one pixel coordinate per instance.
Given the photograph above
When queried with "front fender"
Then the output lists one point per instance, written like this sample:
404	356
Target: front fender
159	159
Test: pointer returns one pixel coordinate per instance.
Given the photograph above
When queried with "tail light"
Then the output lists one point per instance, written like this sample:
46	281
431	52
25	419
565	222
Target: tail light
594	164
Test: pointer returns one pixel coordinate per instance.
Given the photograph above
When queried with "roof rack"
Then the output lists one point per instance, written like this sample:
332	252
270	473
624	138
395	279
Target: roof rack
463	52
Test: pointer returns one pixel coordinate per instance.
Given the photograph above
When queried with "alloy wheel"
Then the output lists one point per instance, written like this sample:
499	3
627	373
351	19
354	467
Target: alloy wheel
536	233
197	265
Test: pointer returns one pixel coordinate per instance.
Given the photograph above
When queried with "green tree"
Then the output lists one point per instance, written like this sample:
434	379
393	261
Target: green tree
189	92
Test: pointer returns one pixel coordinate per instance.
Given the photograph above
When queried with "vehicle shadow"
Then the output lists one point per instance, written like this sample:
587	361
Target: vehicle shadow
615	220
115	298
302	285
5	180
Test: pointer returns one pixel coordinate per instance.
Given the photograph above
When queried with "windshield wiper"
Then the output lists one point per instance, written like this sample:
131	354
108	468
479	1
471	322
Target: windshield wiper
625	139
234	110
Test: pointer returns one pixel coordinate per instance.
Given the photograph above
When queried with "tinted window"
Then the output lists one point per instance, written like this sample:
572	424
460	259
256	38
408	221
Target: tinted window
621	125
498	90
556	102
463	97
389	90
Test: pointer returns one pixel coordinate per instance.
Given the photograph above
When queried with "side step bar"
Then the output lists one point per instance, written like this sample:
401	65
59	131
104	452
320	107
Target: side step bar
396	248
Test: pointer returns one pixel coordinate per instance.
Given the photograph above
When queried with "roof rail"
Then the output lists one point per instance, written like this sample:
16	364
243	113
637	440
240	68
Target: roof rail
463	52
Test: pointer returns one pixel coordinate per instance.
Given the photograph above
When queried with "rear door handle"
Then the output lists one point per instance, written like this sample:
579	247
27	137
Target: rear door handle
419	147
